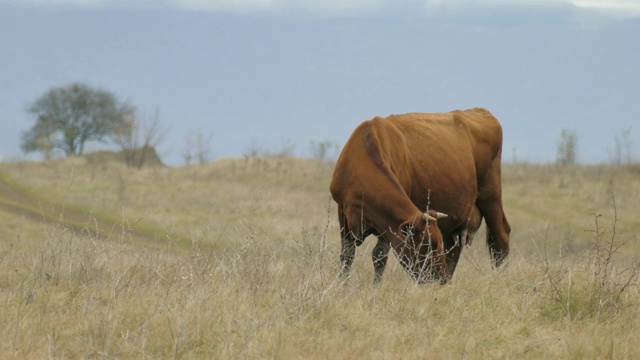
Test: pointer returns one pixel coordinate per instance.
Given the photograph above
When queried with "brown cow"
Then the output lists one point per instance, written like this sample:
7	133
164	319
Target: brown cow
393	172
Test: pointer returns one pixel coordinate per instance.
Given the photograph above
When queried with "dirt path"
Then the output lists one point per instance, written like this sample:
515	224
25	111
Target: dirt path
18	199
15	200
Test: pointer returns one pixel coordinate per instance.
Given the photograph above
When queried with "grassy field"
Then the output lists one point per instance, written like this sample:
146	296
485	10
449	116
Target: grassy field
238	259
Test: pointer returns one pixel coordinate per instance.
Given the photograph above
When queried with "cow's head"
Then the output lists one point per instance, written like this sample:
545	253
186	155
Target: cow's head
422	253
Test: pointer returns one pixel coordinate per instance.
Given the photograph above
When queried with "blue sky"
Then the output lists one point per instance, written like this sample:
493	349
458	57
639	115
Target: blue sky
268	73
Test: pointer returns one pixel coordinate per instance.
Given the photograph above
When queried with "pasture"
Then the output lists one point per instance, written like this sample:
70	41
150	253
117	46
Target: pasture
238	259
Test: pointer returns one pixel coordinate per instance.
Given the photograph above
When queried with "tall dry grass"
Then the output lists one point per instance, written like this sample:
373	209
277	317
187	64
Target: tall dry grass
246	267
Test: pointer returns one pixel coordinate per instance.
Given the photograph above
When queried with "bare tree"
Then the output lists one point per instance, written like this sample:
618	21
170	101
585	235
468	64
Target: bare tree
320	150
137	139
286	149
197	147
621	152
567	147
126	137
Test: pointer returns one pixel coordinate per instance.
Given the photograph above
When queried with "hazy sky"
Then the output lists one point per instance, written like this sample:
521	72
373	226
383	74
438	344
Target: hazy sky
336	7
267	73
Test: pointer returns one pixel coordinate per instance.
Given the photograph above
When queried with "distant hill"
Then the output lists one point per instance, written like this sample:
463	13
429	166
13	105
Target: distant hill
129	157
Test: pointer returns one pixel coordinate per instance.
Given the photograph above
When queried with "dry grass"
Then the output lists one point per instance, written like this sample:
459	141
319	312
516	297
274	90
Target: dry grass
246	259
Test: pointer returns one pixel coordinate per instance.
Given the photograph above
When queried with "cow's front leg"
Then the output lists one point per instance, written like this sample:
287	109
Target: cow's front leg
348	252
347	255
380	256
453	249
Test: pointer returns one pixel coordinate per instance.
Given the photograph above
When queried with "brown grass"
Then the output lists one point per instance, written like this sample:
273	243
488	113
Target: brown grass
244	260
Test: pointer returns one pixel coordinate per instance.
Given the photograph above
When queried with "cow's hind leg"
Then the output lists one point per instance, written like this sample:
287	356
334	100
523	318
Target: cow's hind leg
380	256
498	229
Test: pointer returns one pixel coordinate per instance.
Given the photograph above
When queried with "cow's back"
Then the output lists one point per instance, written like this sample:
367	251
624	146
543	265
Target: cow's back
447	155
